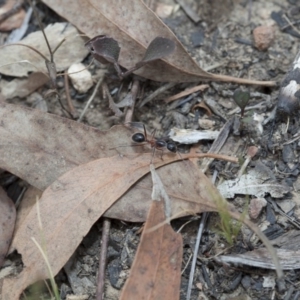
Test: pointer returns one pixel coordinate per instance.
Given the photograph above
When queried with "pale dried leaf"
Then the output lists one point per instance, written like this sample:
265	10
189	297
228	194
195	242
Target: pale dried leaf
41	147
22	87
73	203
190	136
261	258
70	52
252	184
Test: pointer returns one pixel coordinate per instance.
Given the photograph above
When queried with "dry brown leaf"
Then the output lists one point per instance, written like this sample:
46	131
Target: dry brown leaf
7	224
70	52
15	20
134	26
28	201
175	176
40	148
156	270
23	87
71	205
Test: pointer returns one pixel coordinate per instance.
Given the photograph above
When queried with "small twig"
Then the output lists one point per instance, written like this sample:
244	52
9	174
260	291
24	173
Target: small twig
187	92
91	99
42	29
102	259
189	11
20	196
283	28
187	263
197	244
72	109
218	143
55	92
193	266
59	44
28	46
212	155
160	90
134	92
112	105
252	150
290	23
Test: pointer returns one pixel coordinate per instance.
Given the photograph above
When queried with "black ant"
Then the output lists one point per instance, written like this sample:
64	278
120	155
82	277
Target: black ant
156	144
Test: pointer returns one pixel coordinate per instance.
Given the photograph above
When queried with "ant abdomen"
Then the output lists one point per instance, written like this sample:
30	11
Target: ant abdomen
172	147
138	137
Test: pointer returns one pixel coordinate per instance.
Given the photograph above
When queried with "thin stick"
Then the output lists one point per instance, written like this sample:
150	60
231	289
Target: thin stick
102	259
160	90
72	109
212	155
42	29
187	92
197	244
134	92
28	46
91	99
195	255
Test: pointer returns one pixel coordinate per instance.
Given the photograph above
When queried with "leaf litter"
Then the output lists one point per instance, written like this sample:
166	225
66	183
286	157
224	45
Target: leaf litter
253	183
73	185
40	149
81	203
134	29
156	271
70	52
7	224
82	195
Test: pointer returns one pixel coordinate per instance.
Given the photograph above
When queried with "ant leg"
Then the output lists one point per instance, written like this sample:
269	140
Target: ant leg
162	152
153	151
145	132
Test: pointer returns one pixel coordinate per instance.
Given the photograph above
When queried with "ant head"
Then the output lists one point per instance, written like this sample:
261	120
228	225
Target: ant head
138	137
171	146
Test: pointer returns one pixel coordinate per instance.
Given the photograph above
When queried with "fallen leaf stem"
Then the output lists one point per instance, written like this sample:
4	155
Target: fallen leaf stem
211	155
226	78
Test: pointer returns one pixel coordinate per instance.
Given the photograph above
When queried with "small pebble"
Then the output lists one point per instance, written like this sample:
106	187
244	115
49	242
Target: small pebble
263	37
82	80
269	282
288	154
206	124
197	38
256	206
164	10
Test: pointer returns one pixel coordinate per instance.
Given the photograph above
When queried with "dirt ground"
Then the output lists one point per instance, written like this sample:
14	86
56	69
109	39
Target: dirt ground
221	42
